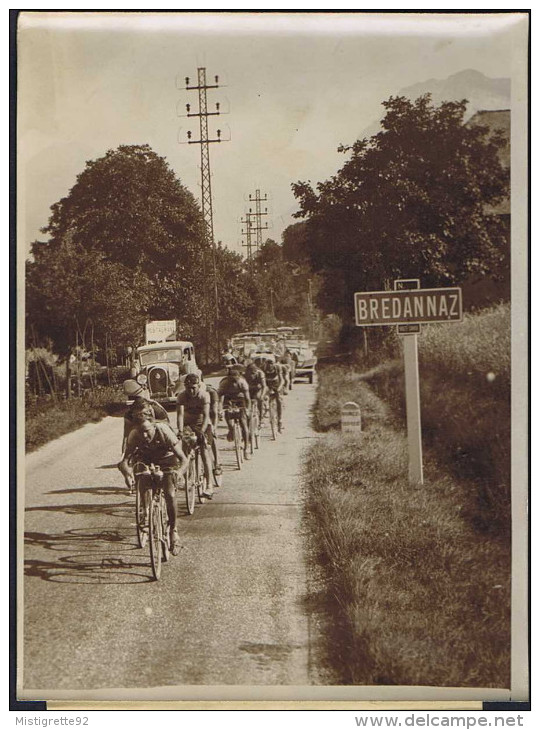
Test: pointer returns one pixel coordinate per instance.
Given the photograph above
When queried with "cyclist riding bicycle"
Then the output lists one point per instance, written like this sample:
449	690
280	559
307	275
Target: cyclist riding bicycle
256	381
275	380
156	443
214	414
141	408
193	410
234	391
289	364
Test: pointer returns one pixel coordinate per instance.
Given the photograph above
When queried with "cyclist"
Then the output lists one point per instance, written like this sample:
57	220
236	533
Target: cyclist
156	443
193	410
287	360
214	413
142	407
256	381
228	360
275	380
233	390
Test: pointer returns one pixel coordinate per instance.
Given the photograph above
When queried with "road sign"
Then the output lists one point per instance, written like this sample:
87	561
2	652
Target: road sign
408	329
160	330
407	306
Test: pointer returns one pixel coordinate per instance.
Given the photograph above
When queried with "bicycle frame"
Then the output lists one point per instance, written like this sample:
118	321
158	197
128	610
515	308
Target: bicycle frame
152	510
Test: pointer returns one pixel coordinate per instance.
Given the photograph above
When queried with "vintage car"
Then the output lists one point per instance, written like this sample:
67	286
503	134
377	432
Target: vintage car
162	368
305	359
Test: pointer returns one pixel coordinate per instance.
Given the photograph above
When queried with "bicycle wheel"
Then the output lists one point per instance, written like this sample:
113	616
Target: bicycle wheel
140	521
155	537
251	435
165	532
238	444
199	476
189	481
255	429
273	418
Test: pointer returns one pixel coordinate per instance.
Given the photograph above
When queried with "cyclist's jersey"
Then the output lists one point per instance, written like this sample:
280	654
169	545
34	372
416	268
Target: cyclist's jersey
255	379
159	450
194	406
234	389
272	372
214	399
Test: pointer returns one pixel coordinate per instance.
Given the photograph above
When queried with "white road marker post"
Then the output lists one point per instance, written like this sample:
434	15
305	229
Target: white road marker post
412	389
412	397
351	418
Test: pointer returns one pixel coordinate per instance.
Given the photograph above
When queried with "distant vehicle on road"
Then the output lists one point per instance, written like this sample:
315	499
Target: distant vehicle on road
305	358
164	366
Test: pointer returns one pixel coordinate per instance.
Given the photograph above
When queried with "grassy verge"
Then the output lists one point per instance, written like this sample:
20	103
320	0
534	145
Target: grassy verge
49	419
418	580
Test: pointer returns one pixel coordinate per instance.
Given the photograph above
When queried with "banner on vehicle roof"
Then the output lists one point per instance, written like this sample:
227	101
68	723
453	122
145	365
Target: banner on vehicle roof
160	330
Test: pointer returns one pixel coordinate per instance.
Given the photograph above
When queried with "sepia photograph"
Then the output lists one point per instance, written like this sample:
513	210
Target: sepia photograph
272	358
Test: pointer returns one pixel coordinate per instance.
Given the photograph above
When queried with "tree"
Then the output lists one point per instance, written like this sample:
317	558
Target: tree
411	201
69	289
295	242
283	286
127	243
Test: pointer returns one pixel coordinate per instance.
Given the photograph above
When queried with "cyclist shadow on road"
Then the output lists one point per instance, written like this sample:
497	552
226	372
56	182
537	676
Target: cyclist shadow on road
95	556
114	509
101	491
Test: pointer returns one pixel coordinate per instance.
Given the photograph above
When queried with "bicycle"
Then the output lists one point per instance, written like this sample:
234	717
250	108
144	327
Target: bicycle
151	513
235	414
272	413
194	477
254	430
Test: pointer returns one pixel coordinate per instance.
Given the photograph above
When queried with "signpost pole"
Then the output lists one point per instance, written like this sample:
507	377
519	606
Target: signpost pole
412	395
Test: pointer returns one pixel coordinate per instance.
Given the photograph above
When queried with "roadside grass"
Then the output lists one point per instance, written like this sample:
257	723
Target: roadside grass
418	596
47	419
418	579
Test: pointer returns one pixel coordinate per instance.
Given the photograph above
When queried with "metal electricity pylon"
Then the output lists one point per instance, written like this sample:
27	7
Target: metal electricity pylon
248	233
206	178
258	228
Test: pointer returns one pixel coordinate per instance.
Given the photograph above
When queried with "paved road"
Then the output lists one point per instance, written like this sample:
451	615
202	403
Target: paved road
232	608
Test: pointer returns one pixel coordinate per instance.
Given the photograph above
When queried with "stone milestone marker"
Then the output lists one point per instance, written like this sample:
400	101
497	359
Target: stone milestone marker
351	421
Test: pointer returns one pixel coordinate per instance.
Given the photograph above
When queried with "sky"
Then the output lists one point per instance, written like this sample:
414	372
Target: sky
295	86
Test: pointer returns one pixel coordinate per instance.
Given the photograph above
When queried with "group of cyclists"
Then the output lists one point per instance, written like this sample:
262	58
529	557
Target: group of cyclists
150	438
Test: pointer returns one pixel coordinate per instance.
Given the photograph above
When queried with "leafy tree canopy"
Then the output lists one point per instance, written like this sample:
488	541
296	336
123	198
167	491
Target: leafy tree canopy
411	201
130	206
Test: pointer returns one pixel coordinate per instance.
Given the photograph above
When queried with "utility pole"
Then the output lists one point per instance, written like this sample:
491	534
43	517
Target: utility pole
258	228
206	182
248	233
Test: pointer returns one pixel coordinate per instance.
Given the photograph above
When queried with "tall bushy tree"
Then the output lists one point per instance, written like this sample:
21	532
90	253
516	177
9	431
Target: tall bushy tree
283	286
126	243
411	201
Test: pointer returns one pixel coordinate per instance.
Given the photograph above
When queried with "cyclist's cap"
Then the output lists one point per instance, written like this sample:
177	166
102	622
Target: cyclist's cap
192	379
132	388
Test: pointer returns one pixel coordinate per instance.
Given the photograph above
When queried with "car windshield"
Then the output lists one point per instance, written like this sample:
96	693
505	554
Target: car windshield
155	356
